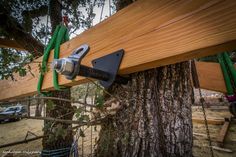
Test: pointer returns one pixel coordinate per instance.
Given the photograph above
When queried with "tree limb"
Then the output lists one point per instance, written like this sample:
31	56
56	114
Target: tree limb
28	15
14	30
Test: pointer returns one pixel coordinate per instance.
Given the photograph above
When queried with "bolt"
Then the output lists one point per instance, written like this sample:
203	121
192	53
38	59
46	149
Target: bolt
63	66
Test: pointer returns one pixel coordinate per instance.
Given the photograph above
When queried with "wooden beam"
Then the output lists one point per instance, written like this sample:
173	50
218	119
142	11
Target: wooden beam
210	76
152	33
6	43
223	132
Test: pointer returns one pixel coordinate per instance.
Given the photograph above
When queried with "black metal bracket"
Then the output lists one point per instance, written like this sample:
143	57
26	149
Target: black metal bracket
110	64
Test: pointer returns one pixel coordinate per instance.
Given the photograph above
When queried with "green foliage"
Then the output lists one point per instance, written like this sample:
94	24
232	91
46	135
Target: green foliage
78	112
12	61
81	117
50	105
32	15
60	131
79	92
47	126
22	72
99	101
84	118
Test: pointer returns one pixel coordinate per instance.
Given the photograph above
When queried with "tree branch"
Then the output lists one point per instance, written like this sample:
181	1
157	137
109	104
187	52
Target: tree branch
55	13
14	30
49	98
28	15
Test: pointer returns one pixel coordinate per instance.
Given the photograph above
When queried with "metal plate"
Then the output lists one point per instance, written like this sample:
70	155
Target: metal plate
111	64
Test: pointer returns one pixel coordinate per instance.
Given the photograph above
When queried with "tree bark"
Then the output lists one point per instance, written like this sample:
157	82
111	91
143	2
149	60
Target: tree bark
39	107
63	110
55	13
120	4
153	117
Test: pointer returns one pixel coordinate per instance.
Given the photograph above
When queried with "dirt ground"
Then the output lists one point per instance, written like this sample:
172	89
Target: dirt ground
201	145
12	131
16	131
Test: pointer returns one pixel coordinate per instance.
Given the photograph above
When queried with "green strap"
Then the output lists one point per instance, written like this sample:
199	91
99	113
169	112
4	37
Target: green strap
60	39
230	66
228	85
60	35
229	72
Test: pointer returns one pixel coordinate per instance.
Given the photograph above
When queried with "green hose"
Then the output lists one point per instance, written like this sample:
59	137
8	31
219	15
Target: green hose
60	35
229	87
230	65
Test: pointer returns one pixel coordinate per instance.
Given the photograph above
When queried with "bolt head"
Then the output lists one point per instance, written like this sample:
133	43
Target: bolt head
63	66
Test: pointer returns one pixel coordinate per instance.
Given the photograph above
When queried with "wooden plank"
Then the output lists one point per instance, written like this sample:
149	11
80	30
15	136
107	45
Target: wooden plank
223	132
5	43
152	33
210	76
209	121
222	149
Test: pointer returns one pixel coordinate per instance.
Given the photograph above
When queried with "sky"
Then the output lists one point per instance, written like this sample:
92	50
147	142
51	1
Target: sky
99	14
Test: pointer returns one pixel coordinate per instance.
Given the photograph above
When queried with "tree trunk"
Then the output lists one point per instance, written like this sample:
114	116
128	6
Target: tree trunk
55	13
39	107
58	135
153	117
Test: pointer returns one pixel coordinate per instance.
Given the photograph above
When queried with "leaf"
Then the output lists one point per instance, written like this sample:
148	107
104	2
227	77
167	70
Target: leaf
99	102
78	113
50	105
60	131
22	72
84	118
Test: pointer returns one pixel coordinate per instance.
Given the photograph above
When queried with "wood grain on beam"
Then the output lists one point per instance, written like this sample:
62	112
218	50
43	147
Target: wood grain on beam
210	76
6	43
152	33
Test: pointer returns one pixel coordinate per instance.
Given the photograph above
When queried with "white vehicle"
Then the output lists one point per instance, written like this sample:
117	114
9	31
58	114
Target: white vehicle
18	110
